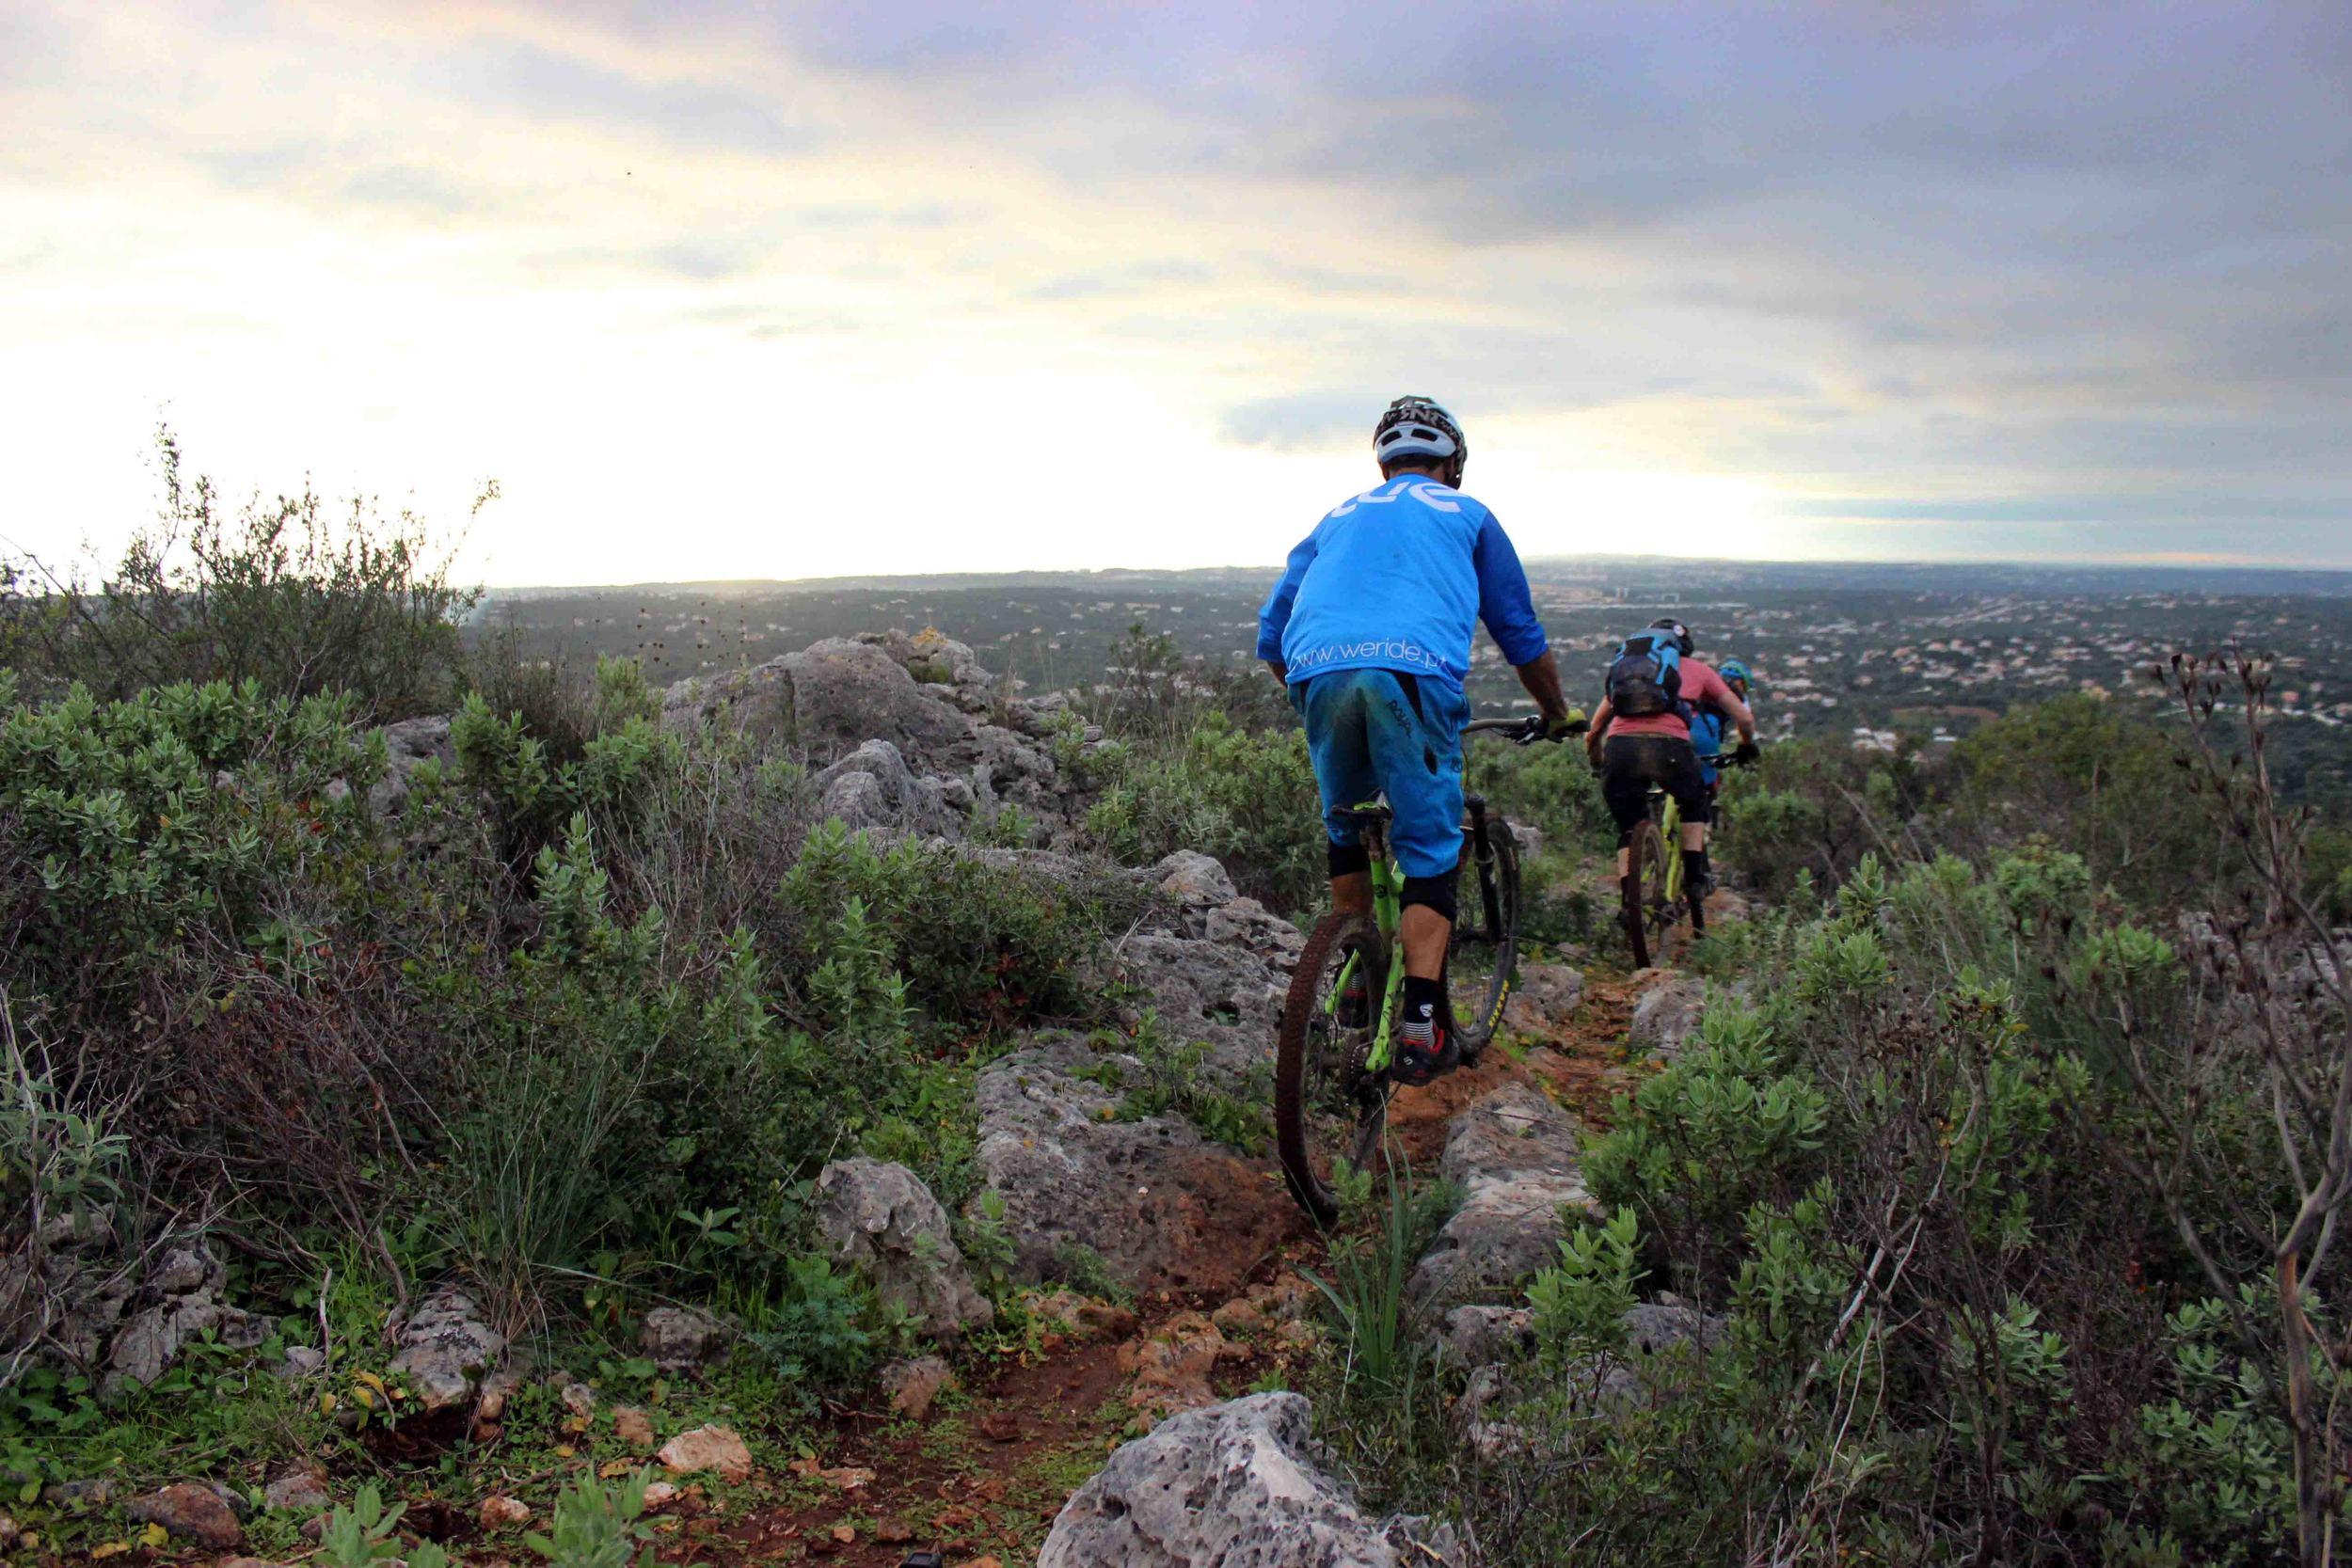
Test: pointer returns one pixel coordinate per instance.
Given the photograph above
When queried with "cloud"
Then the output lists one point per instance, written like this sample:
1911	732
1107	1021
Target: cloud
1974	273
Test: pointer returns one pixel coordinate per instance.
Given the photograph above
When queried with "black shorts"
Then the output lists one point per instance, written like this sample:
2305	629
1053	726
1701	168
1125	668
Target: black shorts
1630	763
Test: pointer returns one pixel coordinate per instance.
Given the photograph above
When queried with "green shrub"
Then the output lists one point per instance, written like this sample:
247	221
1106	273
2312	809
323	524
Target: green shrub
284	595
1246	798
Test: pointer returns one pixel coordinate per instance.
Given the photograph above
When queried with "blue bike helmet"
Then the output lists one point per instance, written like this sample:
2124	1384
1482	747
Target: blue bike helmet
1734	671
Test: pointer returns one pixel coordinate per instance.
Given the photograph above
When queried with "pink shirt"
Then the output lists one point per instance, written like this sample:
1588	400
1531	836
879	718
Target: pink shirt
1701	687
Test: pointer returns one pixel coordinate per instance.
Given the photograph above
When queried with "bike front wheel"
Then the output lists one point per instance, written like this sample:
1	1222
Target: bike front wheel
1482	956
1652	918
1328	1111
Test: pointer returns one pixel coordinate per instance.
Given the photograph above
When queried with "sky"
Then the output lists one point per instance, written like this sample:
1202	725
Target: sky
725	289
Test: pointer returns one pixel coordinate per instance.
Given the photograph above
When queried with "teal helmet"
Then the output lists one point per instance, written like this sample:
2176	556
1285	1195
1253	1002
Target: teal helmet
1732	670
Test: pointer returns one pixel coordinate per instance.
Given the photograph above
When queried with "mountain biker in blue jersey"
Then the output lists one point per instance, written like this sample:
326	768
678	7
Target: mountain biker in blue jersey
1370	629
1708	728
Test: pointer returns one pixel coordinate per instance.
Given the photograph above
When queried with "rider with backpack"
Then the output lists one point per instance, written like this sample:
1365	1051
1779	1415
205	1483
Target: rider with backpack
1641	736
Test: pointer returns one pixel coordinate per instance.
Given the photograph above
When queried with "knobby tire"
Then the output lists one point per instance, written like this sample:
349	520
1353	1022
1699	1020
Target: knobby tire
1496	946
1304	1081
1652	919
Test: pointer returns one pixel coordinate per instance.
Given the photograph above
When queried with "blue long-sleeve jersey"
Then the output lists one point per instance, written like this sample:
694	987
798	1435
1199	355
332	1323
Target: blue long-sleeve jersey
1398	579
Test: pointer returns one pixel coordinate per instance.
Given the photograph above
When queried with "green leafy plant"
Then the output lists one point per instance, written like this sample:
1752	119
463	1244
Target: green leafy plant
598	1527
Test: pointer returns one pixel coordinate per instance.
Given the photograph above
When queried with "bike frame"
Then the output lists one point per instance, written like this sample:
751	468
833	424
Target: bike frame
1388	888
1670	830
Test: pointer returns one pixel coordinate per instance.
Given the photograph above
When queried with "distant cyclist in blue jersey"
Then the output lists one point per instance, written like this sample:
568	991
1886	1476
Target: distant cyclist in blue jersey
1708	728
1370	628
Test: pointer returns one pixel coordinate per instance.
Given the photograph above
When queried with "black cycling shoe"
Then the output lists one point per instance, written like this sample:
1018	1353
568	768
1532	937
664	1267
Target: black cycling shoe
1416	1064
1703	885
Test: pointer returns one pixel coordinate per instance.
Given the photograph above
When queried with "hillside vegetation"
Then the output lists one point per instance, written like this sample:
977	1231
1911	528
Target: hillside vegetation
398	1037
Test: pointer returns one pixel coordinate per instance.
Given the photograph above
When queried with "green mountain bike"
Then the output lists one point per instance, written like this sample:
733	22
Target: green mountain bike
1331	1072
1652	893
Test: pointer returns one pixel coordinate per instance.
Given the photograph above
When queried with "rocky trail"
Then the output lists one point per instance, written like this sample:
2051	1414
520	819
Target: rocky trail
1065	1446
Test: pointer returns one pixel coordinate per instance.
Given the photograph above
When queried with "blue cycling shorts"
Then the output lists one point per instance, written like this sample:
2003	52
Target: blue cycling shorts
1381	731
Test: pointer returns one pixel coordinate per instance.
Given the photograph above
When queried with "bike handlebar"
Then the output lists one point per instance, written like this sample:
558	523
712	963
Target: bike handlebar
1526	729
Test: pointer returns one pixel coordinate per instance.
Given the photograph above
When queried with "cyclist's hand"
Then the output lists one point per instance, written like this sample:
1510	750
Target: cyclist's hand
1571	722
1748	752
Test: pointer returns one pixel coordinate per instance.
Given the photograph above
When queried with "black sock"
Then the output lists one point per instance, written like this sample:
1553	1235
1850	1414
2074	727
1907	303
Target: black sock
1694	865
1421	1000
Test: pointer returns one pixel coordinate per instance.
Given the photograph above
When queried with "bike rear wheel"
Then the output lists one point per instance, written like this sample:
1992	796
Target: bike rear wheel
1652	920
1482	956
1327	1108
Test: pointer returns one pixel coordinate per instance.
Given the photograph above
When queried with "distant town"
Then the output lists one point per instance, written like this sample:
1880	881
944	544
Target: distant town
1876	656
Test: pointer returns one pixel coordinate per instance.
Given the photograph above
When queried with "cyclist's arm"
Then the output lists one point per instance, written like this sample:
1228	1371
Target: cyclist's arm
1716	693
1601	715
1541	676
1275	617
1506	606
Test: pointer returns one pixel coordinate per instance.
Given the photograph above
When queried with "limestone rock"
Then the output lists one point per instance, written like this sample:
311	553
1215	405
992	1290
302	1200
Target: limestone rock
193	1512
406	745
1544	999
716	1449
1480	1335
182	1297
678	1339
1230	1487
913	1384
632	1426
446	1348
302	1488
882	1218
1667	1015
1194	880
1514	1155
1158	1204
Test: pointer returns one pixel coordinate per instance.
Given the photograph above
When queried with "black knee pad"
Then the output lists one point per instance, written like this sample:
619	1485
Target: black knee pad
1435	893
1346	859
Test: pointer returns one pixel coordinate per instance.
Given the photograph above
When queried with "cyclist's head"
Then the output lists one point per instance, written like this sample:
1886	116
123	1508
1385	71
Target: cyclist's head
1682	640
1416	433
1735	675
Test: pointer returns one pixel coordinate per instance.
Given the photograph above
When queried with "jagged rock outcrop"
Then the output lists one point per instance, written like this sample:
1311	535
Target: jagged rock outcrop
1232	1486
1514	1155
880	1217
910	732
1158	1204
182	1298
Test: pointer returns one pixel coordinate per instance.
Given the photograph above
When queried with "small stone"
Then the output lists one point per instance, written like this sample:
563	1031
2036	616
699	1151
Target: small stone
8	1531
504	1514
580	1398
632	1426
678	1339
1238	1316
298	1489
894	1532
709	1447
1000	1426
659	1495
914	1384
301	1361
190	1511
845	1535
